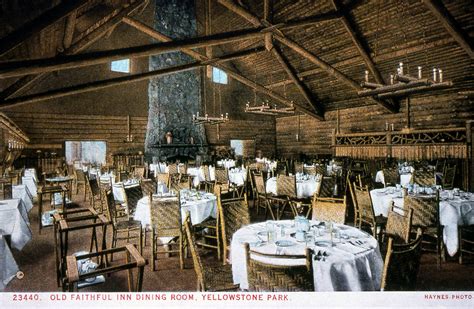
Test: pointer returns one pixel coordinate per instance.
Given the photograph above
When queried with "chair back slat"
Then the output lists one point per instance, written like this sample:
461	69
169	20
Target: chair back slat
448	177
165	216
265	277
221	175
286	186
399	224
234	214
364	203
425	210
132	195
329	209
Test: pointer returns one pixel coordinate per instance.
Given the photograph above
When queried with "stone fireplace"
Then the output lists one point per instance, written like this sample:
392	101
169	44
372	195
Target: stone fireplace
173	99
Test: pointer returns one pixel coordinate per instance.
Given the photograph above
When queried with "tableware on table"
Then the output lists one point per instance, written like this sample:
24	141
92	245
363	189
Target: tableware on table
271	231
284	243
323	243
309	239
398	186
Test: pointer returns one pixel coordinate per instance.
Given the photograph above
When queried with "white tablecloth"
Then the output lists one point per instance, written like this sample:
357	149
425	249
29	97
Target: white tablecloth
405	179
238	176
119	193
198	174
108	177
31	172
304	188
199	209
453	212
31	184
22	192
347	268
226	163
14	221
158	168
8	266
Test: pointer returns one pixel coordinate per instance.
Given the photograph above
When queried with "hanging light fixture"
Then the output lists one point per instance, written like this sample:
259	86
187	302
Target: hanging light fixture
265	108
401	83
206	119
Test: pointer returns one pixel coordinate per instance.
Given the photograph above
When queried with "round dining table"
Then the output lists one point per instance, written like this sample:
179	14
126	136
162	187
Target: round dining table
454	210
349	262
200	205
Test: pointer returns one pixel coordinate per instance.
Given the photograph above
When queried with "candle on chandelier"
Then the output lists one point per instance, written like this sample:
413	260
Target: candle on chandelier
419	72
226	115
401	68
386	126
440	72
391	79
367	76
434	74
393	127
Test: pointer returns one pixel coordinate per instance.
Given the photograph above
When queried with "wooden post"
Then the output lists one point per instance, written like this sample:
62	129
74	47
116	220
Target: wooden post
469	155
408	112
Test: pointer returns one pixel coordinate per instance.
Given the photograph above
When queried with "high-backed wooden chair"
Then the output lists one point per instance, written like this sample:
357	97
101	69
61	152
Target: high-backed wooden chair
366	211
286	191
426	217
163	178
299	167
278	277
209	278
148	187
234	214
401	265
124	227
424	178
391	177
208	183
329	209
80	180
466	242
132	195
448	177
222	179
399	223
326	188
262	197
139	172
94	197
183	183
165	215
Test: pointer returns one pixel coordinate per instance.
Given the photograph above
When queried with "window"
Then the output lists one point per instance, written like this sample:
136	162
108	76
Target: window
85	151
219	76
122	66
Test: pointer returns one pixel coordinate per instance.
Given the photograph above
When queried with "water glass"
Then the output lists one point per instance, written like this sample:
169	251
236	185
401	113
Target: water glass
271	232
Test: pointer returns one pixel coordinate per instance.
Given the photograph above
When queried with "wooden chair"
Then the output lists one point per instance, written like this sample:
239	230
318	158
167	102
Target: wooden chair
184	183
350	184
165	215
215	278
448	177
286	191
391	177
399	223
299	167
208	232
133	259
163	178
222	179
424	178
6	188
208	183
401	265
105	183
132	195
329	209
262	196
366	211
326	187
466	242
234	214
80	179
139	172
426	217
148	187
94	197
310	170
123	227
275	277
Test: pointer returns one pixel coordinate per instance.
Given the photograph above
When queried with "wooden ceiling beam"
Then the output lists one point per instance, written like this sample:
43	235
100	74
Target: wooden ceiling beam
27	81
69	30
98	85
438	9
268	10
257	87
358	42
301	87
25	67
60	11
305	53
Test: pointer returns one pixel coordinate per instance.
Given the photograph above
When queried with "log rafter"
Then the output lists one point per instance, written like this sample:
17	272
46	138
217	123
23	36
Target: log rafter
163	38
27	81
302	51
447	20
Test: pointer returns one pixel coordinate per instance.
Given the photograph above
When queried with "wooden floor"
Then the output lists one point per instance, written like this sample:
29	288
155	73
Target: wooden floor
37	261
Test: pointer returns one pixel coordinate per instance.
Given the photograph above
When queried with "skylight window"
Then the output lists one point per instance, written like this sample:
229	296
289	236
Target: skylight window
122	66
219	76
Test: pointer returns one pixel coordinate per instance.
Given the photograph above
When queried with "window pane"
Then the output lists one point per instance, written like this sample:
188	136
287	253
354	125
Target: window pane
219	76
121	66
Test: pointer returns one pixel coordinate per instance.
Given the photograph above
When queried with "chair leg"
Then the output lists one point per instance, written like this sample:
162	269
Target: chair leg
181	254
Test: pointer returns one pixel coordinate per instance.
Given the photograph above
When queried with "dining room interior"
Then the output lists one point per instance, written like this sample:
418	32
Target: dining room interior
236	145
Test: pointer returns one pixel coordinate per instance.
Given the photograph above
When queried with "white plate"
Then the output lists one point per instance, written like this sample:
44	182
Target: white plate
323	243
285	243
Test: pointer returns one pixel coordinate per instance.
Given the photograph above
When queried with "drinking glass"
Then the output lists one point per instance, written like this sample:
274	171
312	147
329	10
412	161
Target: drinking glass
271	232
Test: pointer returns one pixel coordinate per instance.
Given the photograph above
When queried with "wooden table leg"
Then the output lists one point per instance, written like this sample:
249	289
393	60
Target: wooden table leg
40	211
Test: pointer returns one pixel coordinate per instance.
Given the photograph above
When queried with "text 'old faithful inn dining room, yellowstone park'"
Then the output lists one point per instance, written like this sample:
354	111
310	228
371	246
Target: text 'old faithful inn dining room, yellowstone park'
251	147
